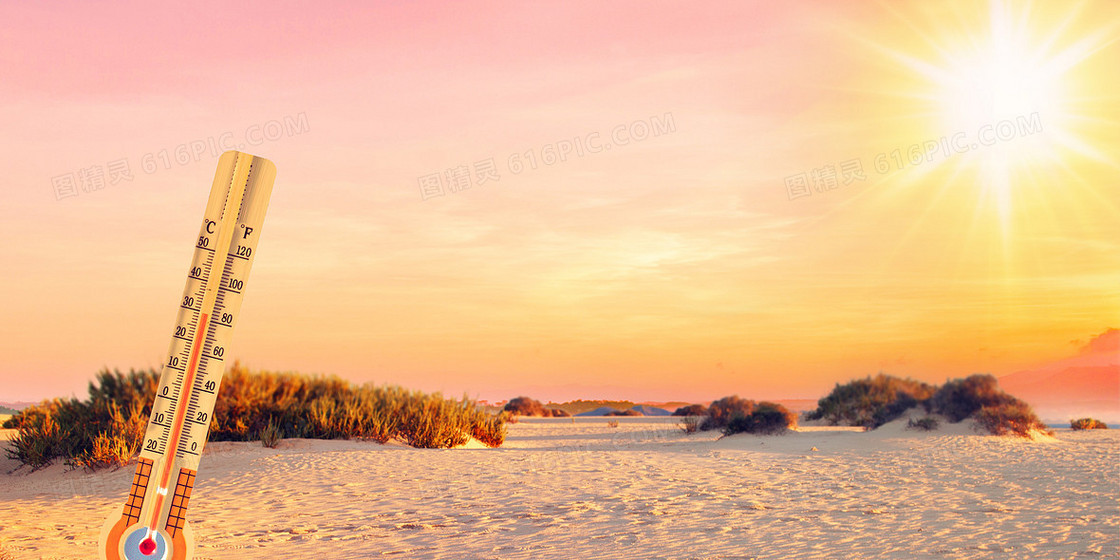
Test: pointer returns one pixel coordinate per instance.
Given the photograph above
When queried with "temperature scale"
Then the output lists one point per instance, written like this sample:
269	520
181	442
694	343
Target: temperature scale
152	524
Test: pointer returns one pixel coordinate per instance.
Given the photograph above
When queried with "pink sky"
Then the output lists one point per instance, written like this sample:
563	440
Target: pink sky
675	267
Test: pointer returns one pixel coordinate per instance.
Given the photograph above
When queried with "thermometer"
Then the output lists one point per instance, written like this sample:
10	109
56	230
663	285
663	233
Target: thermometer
152	524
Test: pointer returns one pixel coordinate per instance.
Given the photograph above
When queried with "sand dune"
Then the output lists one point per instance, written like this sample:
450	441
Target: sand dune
580	489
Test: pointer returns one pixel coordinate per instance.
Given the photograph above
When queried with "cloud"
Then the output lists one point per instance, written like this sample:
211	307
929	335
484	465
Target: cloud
1107	341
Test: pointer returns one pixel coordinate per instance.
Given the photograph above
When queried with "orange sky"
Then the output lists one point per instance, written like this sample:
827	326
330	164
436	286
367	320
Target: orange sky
793	195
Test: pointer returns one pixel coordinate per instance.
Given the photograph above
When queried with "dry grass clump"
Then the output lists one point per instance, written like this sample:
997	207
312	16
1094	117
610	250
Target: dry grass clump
525	406
1013	417
691	410
271	436
1087	424
689	424
925	424
488	428
106	430
767	418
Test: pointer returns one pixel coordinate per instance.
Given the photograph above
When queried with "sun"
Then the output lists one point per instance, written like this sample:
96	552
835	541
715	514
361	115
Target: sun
1005	88
1001	74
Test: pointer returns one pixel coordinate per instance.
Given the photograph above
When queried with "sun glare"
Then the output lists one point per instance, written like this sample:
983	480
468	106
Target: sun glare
999	76
1000	90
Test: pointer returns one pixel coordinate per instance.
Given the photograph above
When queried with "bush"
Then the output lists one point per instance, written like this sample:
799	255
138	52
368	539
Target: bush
103	431
925	424
689	424
612	423
115	446
488	429
870	402
767	418
691	410
525	406
108	428
1010	417
961	398
979	396
721	411
1087	424
271	436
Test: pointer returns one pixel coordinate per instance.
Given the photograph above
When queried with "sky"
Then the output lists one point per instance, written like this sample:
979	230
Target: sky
634	199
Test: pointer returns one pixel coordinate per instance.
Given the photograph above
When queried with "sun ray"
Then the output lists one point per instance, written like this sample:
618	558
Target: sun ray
1016	76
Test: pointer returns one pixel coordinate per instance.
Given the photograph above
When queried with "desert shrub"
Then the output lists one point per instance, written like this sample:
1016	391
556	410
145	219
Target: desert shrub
432	422
691	410
525	406
689	424
104	430
925	424
721	411
766	418
119	442
271	436
1087	424
979	396
961	398
870	402
136	389
612	423
41	439
1010	416
488	429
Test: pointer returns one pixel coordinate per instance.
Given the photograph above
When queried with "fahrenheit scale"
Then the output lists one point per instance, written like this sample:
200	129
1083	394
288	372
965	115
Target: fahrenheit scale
152	525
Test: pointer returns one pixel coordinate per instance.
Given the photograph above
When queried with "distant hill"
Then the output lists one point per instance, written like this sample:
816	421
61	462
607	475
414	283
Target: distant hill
601	411
648	410
1084	385
578	407
12	407
1071	392
584	408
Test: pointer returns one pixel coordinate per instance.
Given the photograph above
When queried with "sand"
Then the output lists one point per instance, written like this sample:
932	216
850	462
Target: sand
642	490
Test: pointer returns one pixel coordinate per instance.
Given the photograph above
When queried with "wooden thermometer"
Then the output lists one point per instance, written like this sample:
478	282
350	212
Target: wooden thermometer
153	525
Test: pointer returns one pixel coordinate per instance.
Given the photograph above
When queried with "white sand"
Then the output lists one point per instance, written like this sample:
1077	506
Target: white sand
583	490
